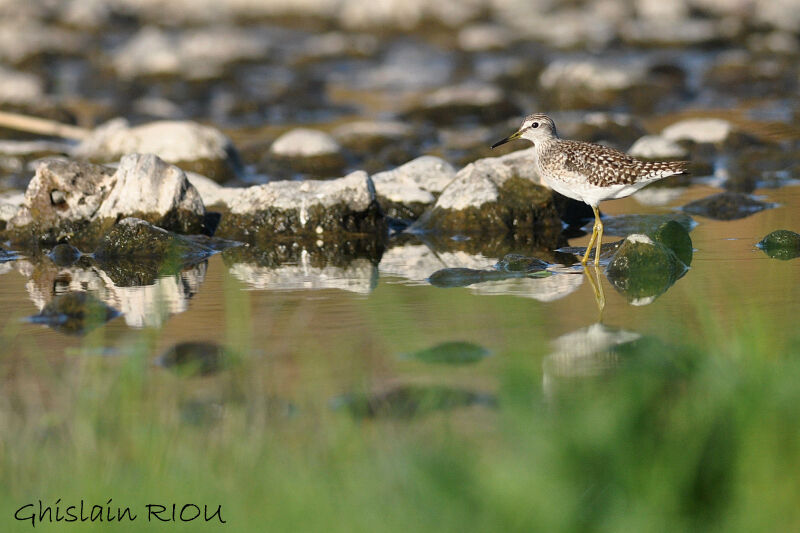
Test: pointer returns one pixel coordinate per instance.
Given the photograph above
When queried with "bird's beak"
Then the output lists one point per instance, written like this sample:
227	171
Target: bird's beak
507	139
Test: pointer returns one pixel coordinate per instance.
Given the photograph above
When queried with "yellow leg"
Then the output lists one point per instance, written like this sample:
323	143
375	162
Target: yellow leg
599	237
594	236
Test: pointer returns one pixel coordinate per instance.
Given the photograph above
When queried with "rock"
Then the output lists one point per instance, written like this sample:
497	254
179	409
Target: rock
406	191
10	204
305	151
664	32
484	37
148	188
483	103
61	200
327	211
194	54
64	254
187	144
20	88
520	263
367	136
675	237
657	147
577	83
431	66
70	199
132	239
450	353
26	39
493	195
74	313
726	206
304	142
699	130
624	225
462	277
194	358
642	269
781	244
407	401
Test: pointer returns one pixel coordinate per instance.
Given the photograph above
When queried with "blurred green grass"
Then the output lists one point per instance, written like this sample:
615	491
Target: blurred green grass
691	434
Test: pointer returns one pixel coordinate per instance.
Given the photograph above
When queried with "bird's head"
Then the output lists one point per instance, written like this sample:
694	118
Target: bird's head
535	128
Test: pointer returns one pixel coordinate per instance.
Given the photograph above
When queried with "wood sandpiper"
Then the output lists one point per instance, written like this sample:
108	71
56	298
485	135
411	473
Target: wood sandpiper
589	173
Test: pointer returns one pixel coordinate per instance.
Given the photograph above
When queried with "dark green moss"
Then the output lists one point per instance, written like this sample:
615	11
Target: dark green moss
675	237
641	271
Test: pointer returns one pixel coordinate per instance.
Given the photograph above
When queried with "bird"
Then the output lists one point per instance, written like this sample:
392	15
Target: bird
588	172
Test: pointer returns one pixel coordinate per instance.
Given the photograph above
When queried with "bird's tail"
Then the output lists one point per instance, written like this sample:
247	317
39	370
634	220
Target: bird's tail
662	169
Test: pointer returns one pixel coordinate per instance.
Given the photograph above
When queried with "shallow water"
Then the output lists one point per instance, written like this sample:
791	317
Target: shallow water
355	321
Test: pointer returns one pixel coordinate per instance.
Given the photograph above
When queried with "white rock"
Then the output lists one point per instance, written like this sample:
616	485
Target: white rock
146	184
356	191
592	75
657	146
172	141
26	38
20	87
469	94
483	37
416	181
198	54
304	142
478	182
700	130
210	191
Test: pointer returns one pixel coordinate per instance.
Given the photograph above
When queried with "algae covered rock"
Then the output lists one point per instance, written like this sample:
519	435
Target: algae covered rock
781	244
195	358
80	201
726	206
133	238
520	263
406	401
492	196
643	268
675	237
450	353
74	313
327	211
61	200
188	145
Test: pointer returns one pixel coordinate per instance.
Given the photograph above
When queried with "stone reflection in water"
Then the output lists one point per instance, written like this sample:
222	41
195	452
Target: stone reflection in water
74	313
450	353
194	358
301	268
407	401
142	305
584	353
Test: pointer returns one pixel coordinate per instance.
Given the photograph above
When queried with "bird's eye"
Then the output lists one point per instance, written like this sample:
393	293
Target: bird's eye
535	125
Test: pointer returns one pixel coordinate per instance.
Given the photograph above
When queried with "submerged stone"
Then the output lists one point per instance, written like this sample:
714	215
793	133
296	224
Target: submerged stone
195	358
461	277
727	206
135	238
74	313
624	225
643	269
520	263
451	353
781	244
408	401
675	237
64	254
